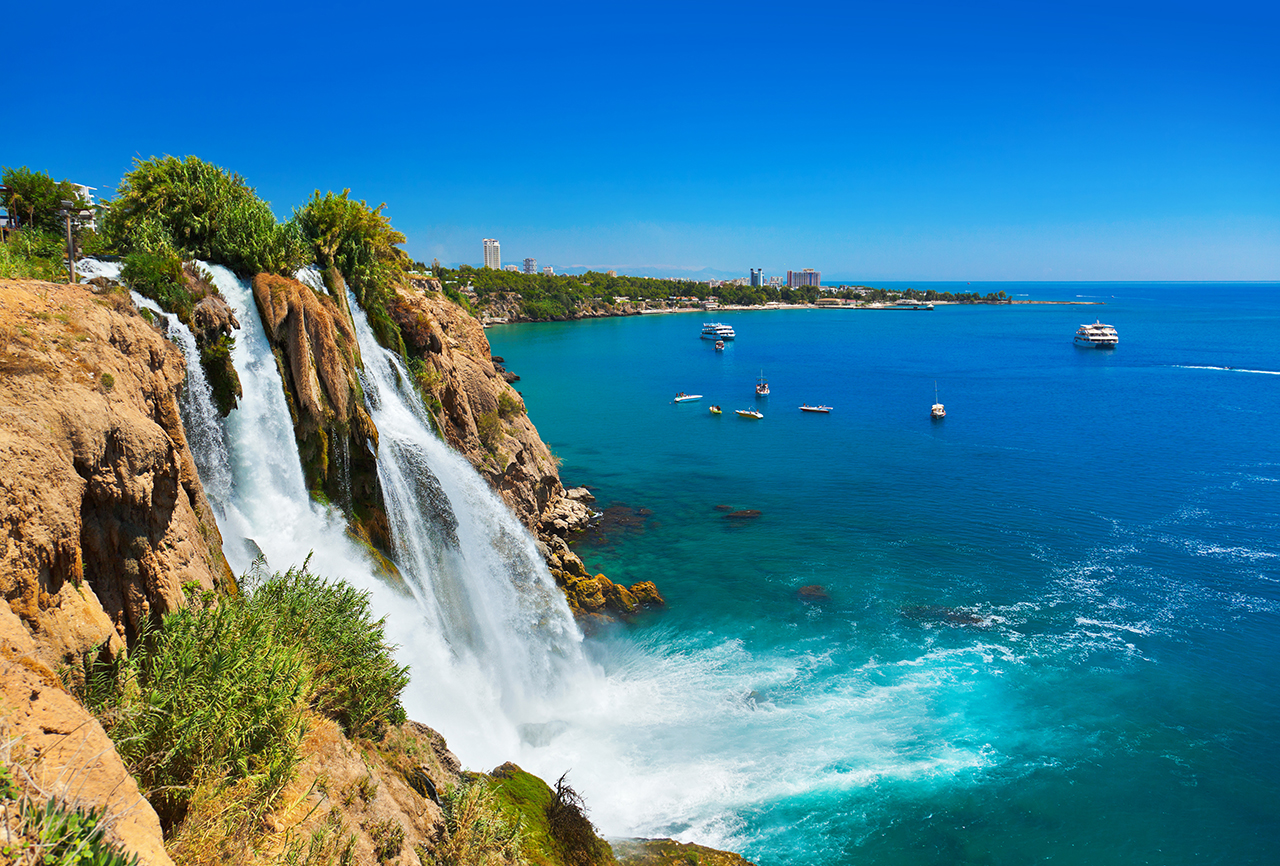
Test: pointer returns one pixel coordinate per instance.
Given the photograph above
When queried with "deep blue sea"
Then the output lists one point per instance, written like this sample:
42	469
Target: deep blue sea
1048	626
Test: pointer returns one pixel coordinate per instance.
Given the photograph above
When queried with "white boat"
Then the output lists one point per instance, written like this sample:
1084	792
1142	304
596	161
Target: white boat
807	408
749	413
716	331
1097	335
762	386
937	411
719	345
682	397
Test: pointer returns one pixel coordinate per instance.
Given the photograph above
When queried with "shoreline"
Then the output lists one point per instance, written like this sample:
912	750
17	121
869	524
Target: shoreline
744	308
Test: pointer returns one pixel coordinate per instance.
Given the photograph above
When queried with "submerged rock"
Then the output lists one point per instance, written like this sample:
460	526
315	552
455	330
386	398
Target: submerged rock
813	592
744	514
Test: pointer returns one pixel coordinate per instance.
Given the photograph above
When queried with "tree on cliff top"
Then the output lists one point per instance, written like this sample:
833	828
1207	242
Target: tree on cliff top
360	243
204	211
35	198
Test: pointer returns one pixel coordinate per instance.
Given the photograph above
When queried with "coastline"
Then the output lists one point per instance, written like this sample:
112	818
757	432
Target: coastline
773	305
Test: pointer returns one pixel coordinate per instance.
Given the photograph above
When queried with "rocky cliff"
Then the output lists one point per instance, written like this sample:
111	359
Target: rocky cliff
478	412
102	516
104	528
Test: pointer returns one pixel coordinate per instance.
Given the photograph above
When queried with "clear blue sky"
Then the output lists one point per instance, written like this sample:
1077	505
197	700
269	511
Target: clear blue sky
1028	140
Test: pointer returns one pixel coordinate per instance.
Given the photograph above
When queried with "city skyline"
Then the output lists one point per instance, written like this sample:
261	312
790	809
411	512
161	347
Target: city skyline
1116	141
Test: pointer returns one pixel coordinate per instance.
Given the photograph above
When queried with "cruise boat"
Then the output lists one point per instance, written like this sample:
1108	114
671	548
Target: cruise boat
716	331
1097	335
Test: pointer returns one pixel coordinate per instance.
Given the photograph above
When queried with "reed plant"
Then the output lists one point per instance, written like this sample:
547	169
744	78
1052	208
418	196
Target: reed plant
207	212
477	830
220	690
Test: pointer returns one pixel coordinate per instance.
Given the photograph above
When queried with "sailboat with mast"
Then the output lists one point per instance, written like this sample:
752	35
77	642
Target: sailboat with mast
762	386
937	412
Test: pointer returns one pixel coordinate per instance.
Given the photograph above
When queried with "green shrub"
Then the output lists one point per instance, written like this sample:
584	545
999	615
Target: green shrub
359	241
489	429
56	834
31	254
508	405
354	679
159	276
214	691
206	211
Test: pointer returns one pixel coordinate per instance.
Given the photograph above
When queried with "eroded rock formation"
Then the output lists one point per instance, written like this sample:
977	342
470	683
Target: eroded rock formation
319	358
102	516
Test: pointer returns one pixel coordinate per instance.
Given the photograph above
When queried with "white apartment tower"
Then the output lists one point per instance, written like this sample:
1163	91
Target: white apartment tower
492	255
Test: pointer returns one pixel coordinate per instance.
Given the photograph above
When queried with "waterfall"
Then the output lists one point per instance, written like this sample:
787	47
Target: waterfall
479	621
474	570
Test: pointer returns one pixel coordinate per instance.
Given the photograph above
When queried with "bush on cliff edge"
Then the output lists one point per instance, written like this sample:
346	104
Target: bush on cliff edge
216	696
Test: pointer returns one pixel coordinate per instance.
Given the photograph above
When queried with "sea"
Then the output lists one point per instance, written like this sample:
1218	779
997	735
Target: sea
1044	628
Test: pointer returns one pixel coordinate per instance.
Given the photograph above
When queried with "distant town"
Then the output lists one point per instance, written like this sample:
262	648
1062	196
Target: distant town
757	279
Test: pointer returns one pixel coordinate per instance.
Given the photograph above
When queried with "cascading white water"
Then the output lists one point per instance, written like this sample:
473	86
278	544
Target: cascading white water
475	571
485	633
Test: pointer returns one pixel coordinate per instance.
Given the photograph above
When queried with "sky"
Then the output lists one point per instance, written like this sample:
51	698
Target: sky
871	141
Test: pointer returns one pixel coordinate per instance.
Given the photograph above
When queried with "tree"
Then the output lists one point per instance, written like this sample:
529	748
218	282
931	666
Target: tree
36	199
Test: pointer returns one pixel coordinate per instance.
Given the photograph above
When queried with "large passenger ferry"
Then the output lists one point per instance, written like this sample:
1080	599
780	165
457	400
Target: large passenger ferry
1097	335
716	331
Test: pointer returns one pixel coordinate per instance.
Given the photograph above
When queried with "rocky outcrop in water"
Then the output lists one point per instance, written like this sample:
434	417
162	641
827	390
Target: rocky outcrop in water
102	516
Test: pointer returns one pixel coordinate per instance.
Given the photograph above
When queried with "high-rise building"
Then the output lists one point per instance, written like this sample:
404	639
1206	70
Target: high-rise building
757	277
530	266
492	254
549	271
807	277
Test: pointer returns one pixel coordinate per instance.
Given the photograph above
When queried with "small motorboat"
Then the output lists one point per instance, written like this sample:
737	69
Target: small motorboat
719	345
749	413
823	409
715	410
682	397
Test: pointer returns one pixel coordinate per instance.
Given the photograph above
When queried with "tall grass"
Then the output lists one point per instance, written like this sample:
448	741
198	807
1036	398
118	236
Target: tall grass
220	690
477	831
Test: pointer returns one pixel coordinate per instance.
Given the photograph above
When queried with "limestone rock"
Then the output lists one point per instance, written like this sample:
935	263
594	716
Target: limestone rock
64	751
102	516
211	318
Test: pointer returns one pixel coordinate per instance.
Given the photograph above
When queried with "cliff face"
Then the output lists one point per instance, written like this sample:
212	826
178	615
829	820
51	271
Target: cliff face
102	517
483	417
102	523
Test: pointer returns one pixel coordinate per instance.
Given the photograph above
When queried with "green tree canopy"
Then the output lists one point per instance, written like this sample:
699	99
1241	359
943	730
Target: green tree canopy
35	198
204	211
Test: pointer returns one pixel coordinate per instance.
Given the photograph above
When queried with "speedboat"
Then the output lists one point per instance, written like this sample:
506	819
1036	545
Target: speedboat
716	331
807	408
749	413
1097	336
682	397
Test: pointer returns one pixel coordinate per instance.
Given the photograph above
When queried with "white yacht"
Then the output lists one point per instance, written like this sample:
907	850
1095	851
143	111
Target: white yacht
716	331
1097	335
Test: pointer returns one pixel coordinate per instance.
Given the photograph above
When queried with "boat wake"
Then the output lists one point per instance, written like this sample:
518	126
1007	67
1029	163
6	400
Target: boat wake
1228	369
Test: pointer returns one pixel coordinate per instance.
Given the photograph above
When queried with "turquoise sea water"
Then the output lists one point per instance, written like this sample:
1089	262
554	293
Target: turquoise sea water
1048	625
